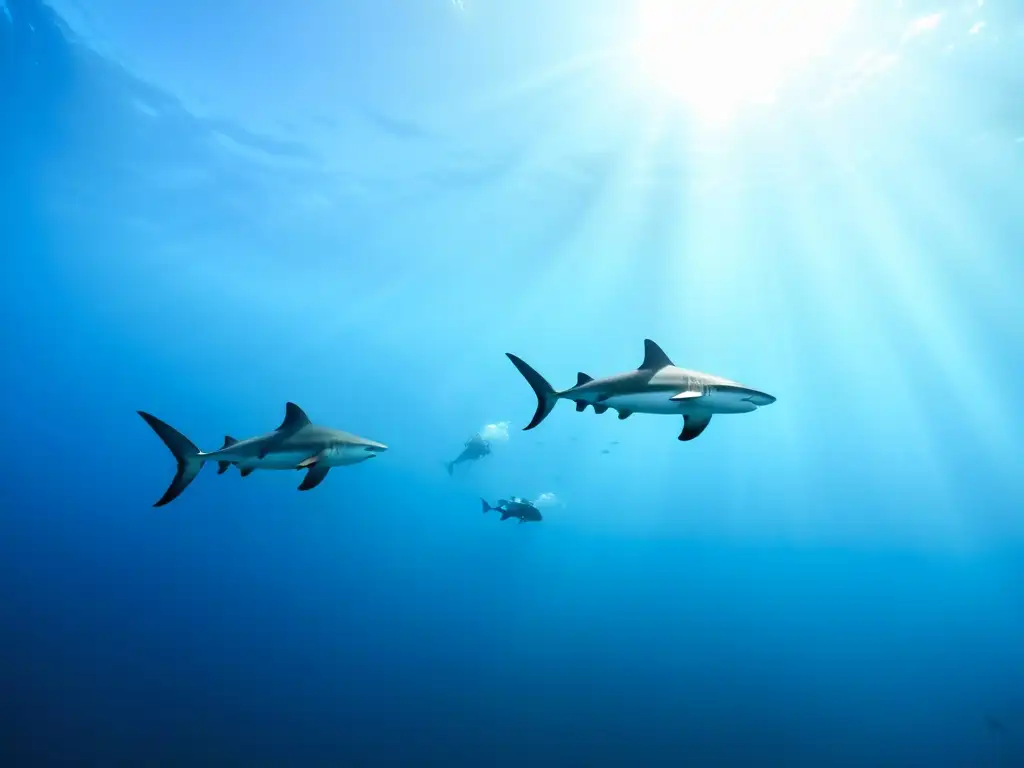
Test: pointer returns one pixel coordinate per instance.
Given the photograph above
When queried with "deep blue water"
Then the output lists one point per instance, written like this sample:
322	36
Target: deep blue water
207	210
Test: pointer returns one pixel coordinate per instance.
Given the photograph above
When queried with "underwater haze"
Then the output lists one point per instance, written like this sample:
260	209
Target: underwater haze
208	210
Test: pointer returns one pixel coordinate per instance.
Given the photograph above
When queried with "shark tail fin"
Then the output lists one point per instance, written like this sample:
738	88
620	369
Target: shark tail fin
450	466
487	507
546	395
185	453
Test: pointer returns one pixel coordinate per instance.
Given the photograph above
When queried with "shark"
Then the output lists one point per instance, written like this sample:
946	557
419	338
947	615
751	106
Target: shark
657	386
474	450
296	444
516	507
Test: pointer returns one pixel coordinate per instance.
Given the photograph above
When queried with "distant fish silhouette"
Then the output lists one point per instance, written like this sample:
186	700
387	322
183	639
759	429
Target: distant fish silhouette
995	724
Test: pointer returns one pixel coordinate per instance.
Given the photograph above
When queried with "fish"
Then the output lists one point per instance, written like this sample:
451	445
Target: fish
516	507
296	444
657	386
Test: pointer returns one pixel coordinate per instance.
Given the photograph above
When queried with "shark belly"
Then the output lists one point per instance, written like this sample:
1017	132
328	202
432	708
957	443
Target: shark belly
288	460
648	402
725	400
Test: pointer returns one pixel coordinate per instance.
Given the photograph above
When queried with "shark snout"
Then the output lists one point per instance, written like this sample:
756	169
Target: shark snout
761	398
374	448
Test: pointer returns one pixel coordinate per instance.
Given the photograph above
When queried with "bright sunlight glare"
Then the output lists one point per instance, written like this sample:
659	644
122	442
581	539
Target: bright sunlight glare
718	55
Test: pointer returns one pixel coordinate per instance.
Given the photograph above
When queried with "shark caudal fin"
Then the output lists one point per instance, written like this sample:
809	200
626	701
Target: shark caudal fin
185	453
546	395
487	507
450	466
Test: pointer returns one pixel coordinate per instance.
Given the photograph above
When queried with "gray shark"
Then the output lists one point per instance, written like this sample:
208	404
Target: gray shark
475	449
295	444
657	386
516	507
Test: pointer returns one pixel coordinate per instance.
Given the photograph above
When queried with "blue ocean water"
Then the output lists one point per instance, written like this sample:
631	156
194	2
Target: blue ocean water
210	209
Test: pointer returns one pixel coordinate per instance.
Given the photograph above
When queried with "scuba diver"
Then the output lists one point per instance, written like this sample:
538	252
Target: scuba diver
476	448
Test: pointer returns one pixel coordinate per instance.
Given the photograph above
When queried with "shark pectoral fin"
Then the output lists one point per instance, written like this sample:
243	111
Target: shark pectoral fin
245	471
694	424
581	406
316	474
222	467
687	395
305	463
624	414
599	409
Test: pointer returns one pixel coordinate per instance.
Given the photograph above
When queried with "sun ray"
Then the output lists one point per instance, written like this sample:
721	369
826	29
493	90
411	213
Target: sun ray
888	380
929	307
782	221
974	255
562	185
939	311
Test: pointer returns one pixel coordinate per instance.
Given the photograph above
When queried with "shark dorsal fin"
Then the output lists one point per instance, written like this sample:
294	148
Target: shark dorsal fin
228	441
582	378
654	358
294	418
